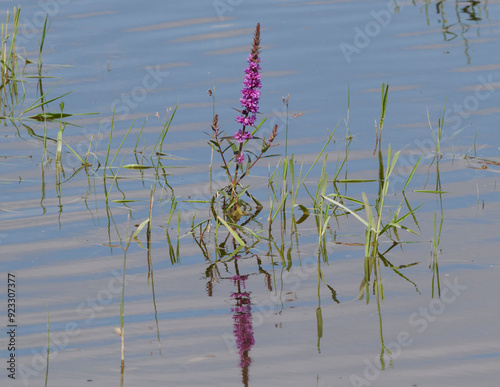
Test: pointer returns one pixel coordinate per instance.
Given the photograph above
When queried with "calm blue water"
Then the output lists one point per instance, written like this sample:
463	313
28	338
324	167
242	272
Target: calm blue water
140	58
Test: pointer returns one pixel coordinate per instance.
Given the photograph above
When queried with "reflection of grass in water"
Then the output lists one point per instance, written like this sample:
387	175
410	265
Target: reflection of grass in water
13	101
9	61
322	206
464	11
230	234
435	251
12	75
121	329
323	209
48	350
436	137
375	228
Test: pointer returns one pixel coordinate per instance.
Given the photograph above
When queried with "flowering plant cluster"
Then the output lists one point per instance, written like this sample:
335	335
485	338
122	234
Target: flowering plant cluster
239	142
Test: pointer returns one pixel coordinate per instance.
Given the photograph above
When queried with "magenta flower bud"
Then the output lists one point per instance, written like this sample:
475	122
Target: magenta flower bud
240	158
242	136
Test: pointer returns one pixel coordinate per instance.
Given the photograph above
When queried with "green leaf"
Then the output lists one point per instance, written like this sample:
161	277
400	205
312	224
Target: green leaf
235	252
348	198
234	147
139	229
305	214
429	191
136	166
76	154
232	232
403	228
348	210
214	147
342	181
412	172
49	116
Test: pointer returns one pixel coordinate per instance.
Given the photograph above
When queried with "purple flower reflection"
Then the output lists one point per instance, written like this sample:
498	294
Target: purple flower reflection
239	280
243	331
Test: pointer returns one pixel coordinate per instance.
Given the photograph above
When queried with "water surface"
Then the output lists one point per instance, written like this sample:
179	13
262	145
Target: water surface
65	245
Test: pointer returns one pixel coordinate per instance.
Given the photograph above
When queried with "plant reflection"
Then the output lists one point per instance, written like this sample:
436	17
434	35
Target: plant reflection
230	250
242	317
241	309
464	12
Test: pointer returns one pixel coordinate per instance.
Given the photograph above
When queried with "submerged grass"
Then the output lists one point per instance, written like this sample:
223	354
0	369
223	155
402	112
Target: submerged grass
48	349
284	187
15	80
233	227
434	266
9	60
436	137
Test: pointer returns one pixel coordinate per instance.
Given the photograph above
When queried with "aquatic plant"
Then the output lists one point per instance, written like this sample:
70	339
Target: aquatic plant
241	154
8	60
12	101
436	137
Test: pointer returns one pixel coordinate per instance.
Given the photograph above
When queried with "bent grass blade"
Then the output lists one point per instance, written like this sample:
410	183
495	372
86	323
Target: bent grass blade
231	231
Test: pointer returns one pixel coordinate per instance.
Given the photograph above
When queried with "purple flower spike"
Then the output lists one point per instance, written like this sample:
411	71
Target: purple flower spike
242	136
246	120
250	94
